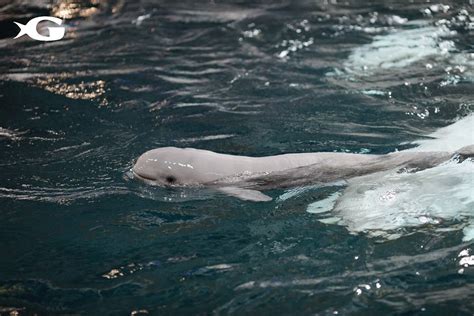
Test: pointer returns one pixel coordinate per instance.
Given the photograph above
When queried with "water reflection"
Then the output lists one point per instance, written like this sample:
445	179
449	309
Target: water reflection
71	9
82	90
241	78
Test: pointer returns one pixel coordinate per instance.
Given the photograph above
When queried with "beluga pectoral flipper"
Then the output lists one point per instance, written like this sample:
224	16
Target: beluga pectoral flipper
245	194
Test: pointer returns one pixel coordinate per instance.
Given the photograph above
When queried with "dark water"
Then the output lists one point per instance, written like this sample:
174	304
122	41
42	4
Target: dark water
78	236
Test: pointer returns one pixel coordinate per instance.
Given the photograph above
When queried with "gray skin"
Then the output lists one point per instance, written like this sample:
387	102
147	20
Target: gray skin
244	177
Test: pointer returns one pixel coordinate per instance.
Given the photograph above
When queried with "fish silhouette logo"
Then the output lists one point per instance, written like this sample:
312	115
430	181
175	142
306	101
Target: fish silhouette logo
55	33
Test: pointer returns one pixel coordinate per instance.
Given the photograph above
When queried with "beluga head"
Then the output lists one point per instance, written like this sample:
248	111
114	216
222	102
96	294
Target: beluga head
171	166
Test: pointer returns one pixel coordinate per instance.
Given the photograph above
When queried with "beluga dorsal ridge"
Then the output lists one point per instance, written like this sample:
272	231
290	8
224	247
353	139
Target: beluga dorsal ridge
245	177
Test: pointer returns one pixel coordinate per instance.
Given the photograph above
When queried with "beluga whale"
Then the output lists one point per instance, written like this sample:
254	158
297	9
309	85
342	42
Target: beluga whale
246	177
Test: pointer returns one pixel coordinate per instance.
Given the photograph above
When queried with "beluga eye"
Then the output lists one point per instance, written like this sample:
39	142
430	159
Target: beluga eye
170	179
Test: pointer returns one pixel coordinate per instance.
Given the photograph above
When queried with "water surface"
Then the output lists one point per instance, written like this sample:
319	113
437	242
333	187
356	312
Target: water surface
78	236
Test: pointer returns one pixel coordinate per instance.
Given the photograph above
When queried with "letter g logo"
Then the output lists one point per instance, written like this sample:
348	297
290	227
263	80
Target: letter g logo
55	33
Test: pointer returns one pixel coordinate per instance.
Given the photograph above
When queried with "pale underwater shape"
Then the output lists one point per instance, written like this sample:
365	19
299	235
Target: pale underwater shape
400	49
382	204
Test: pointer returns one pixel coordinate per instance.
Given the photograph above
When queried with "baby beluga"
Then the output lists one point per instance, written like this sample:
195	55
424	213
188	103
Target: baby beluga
245	177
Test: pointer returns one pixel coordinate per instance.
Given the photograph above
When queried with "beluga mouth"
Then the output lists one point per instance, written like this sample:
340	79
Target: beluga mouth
142	177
